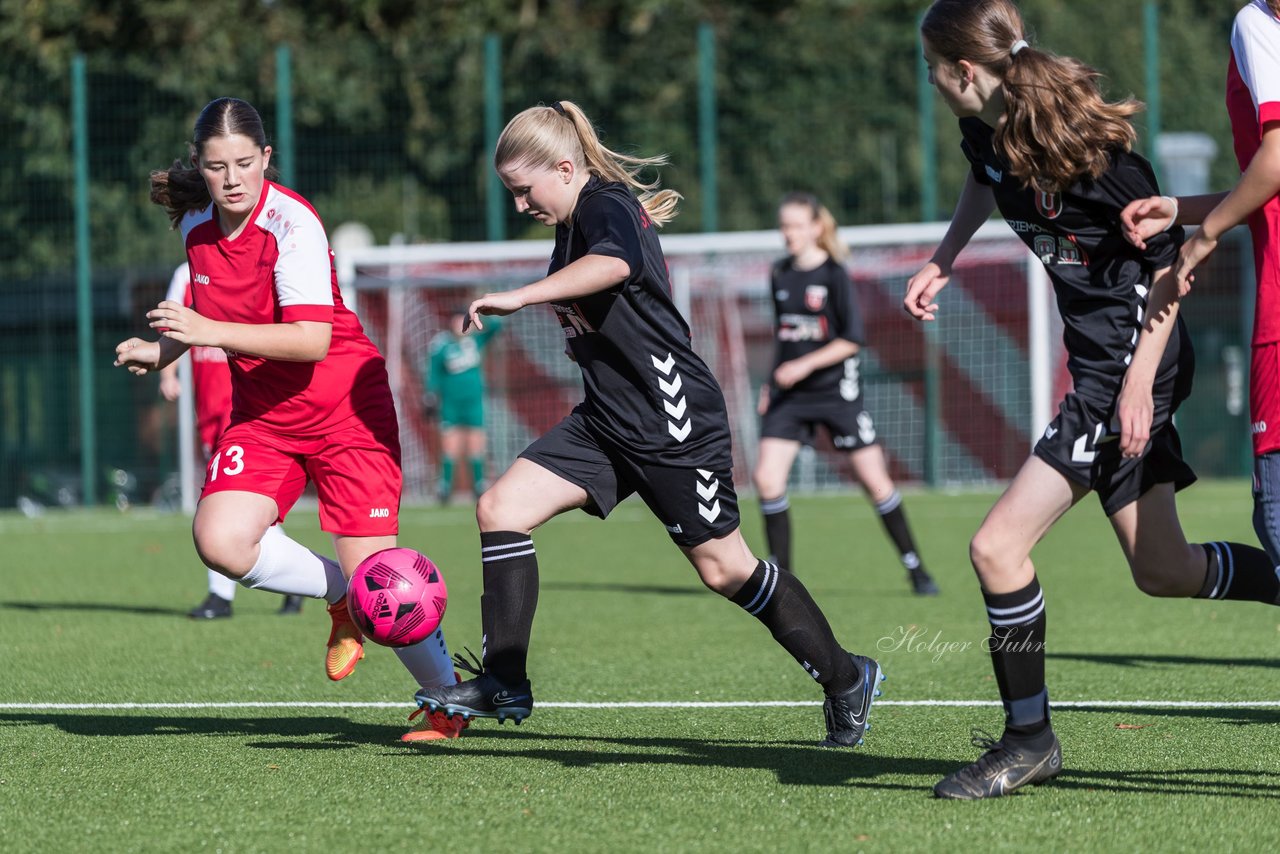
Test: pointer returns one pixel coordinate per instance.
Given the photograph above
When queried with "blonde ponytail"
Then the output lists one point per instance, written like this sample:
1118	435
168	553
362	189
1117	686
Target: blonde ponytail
829	238
543	136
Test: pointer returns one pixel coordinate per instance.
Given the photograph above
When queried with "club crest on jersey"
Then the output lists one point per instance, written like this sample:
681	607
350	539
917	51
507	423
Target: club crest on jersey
1049	204
1046	246
815	297
1058	250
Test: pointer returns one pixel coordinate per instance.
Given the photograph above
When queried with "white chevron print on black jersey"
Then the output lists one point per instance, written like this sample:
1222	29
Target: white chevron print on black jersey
674	402
642	380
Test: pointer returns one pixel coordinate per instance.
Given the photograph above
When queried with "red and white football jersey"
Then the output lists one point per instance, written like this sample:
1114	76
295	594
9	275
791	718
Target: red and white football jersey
1253	99
279	270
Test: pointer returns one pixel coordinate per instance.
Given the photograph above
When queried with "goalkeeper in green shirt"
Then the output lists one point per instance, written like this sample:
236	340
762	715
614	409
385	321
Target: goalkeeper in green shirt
455	392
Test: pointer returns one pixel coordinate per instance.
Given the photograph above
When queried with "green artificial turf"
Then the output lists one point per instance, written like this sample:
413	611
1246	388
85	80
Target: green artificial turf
92	612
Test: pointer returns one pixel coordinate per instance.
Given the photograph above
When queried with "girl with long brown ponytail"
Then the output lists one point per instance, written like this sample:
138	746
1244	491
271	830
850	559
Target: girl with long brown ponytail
1054	156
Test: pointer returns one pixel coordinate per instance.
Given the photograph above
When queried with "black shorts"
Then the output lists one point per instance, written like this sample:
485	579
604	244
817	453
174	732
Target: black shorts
1083	443
694	504
796	420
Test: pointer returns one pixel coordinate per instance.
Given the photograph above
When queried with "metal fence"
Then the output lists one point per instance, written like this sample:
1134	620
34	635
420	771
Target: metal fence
83	253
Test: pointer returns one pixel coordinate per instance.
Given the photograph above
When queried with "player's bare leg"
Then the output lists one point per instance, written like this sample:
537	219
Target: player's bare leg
235	534
228	530
1164	564
723	564
1000	551
773	468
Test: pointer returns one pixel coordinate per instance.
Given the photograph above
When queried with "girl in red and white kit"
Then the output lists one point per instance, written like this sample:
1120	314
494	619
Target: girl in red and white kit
1253	105
211	388
310	397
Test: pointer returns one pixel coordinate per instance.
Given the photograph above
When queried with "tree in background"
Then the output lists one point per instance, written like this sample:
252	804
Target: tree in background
389	100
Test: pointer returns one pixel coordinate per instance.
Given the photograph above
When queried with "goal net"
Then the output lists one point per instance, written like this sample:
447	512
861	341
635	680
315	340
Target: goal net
957	401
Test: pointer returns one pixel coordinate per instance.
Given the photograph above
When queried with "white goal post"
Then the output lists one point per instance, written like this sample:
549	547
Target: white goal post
985	371
960	400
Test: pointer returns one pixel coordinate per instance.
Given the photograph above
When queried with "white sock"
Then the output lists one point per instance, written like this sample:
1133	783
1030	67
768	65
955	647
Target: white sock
220	585
285	566
428	661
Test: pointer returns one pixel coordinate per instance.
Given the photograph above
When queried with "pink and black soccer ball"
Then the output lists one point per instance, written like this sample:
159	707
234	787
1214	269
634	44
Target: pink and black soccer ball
397	597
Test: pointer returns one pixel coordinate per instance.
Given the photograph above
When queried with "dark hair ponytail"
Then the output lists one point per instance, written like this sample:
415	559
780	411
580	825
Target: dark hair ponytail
181	188
1057	128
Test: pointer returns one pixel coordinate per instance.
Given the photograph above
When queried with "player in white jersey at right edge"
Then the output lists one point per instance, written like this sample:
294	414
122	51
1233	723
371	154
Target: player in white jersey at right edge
817	381
311	398
1253	105
1061	177
653	423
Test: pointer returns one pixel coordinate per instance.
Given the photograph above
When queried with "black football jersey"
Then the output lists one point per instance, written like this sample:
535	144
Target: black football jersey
812	308
646	390
1099	279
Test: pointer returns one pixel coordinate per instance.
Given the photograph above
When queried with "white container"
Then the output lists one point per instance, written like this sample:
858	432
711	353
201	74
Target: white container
1185	159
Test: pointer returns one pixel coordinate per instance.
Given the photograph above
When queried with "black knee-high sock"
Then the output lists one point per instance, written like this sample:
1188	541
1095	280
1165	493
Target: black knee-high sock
777	529
1017	654
781	602
895	524
508	603
1239	572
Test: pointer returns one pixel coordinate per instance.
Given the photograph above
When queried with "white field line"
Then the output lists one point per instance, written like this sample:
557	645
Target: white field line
653	704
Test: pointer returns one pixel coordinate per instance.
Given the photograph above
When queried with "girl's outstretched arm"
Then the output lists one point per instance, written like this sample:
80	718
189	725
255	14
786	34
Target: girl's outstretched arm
1259	184
590	274
975	205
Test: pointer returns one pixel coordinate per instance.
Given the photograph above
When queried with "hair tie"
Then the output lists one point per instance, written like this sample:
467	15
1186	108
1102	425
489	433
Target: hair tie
559	108
1017	46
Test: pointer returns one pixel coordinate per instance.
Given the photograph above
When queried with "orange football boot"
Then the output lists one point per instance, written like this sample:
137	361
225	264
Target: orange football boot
346	643
436	725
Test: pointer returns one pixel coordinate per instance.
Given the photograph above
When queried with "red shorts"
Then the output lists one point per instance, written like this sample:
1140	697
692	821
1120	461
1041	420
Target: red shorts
1264	398
356	470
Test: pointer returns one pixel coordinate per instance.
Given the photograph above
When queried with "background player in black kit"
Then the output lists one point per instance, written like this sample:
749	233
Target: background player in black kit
653	422
1047	150
816	380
